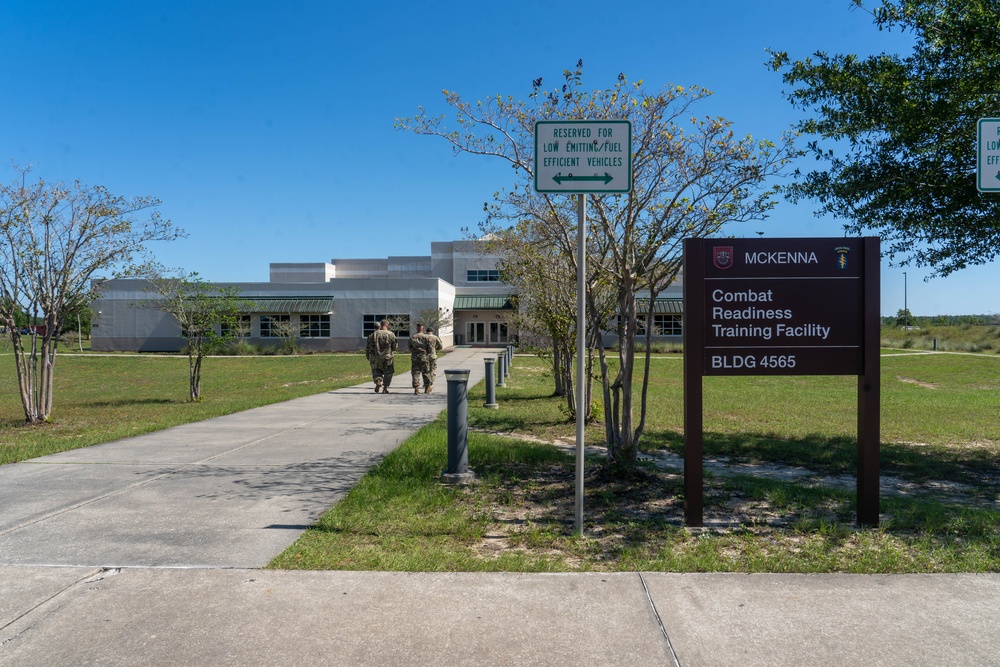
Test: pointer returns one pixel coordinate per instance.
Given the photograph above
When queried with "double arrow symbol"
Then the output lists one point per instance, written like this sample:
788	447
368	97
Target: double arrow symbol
560	179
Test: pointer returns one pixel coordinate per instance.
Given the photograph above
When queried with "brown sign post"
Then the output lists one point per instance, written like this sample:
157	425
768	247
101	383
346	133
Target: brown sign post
806	306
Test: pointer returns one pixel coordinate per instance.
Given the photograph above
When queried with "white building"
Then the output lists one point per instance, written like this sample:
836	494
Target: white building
336	305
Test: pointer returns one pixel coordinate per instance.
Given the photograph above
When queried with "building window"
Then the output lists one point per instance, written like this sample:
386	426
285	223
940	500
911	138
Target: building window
398	324
483	276
314	326
272	326
240	328
663	325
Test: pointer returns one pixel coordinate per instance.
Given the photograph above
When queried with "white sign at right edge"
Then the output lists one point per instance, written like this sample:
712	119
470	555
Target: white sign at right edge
988	155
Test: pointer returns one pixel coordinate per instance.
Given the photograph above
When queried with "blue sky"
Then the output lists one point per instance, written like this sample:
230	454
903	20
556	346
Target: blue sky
266	128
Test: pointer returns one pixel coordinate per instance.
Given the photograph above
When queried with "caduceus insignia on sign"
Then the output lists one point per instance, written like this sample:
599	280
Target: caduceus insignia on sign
842	256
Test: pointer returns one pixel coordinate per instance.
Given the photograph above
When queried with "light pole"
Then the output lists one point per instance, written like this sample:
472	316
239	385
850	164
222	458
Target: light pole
906	311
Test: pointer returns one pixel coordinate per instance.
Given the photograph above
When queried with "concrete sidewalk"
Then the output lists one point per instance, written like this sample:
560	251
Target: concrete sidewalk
162	616
143	552
232	491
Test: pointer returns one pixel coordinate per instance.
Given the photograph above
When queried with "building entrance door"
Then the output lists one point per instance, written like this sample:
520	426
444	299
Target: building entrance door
498	332
476	332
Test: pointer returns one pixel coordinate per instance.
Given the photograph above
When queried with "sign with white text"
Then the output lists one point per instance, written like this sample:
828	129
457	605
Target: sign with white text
583	156
795	306
782	306
988	155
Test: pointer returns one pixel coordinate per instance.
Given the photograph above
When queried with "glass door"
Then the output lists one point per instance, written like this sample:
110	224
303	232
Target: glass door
498	332
476	332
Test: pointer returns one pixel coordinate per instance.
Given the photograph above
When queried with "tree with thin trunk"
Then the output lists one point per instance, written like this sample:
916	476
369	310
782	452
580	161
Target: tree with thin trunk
545	299
208	316
54	241
690	177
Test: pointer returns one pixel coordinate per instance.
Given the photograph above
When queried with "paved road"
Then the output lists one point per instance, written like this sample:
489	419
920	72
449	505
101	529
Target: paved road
144	552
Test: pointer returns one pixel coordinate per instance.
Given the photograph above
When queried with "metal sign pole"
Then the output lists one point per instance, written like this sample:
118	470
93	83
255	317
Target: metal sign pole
561	168
581	330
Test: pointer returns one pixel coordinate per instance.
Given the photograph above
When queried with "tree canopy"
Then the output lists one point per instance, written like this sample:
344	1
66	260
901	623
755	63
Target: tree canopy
691	175
896	133
55	242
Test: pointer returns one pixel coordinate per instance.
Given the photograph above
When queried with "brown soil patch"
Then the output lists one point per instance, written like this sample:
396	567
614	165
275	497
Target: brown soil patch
532	512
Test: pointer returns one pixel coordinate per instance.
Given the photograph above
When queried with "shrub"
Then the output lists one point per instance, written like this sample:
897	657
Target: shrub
240	348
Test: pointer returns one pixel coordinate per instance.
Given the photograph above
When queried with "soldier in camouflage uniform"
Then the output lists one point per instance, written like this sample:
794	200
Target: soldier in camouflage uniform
418	359
430	369
380	351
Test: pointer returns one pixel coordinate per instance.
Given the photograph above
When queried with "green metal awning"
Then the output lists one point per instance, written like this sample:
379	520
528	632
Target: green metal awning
288	305
483	303
661	306
466	302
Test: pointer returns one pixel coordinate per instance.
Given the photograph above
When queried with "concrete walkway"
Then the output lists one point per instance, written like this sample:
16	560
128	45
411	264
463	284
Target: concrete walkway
143	552
232	491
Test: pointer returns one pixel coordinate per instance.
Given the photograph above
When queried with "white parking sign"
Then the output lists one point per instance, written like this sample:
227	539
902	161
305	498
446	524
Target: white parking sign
988	155
576	156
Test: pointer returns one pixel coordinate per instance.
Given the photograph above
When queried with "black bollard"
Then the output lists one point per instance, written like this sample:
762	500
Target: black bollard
491	392
506	363
501	370
458	429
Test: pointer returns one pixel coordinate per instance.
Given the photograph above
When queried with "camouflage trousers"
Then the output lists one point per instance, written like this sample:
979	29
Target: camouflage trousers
420	371
382	371
432	367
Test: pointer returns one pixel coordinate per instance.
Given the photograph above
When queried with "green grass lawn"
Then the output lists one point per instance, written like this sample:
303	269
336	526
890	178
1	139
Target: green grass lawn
940	433
940	506
944	404
103	398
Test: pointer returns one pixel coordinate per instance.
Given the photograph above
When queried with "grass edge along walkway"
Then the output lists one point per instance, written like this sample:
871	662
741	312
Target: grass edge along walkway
101	398
518	516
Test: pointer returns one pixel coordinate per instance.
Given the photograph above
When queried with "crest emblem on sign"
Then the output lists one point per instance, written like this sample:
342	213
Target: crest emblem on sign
722	256
842	256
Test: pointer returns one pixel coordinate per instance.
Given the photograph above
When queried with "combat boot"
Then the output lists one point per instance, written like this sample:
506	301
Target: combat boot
385	390
378	384
428	389
416	390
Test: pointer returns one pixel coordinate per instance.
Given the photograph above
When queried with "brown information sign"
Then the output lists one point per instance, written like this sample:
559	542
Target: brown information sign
801	306
782	306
